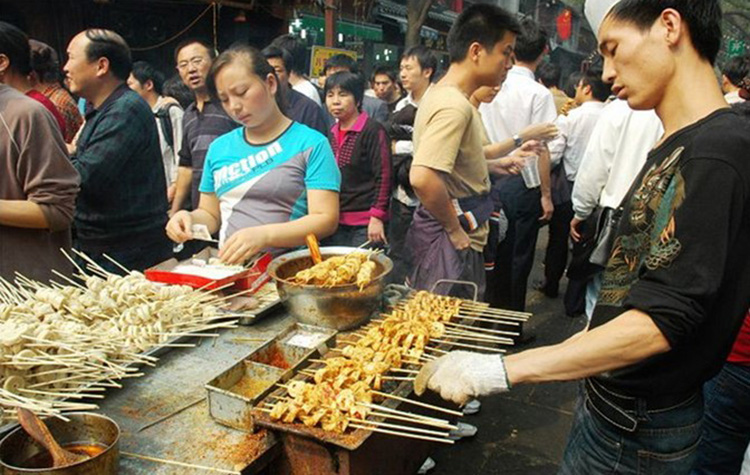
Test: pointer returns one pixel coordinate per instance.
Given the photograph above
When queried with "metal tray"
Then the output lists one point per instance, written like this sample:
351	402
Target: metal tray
233	393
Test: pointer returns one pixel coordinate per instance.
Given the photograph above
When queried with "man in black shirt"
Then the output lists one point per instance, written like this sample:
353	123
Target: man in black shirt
298	106
677	284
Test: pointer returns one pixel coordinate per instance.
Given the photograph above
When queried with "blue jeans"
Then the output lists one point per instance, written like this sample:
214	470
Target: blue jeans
665	442
726	431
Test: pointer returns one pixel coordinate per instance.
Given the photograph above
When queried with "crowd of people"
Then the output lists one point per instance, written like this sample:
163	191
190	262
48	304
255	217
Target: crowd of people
637	163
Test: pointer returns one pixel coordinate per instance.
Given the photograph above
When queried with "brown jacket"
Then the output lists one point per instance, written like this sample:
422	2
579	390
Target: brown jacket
34	166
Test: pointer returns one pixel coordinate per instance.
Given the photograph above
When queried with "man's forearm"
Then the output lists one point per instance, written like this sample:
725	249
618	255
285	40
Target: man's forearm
22	214
498	149
182	185
628	339
544	172
431	191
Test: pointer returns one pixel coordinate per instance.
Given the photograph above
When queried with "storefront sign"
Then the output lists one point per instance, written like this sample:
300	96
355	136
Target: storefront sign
320	54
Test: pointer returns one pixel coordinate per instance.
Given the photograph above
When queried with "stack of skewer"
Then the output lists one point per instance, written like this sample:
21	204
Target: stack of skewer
343	391
61	346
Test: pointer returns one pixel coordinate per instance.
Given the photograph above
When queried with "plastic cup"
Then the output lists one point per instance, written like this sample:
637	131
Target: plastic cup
530	172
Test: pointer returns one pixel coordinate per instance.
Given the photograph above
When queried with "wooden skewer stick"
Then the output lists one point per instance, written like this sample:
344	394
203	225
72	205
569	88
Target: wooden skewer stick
483	306
465	345
415	420
436	350
493	313
401	427
418	403
481	329
459	335
402	434
167	416
179	464
404	370
486	320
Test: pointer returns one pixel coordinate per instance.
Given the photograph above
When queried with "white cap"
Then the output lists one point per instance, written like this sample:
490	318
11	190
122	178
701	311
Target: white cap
596	10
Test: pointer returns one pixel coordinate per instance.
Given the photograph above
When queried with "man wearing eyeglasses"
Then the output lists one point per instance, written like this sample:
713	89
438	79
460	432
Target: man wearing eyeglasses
121	209
204	120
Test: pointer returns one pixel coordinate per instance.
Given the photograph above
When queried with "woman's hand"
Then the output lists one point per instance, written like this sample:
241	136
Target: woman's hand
179	227
376	231
543	131
243	245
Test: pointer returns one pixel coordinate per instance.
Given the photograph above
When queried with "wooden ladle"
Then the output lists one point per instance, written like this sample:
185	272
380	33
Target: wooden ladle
38	431
312	244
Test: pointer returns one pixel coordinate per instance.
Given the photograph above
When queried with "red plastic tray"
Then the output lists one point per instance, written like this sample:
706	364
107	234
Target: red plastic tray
249	279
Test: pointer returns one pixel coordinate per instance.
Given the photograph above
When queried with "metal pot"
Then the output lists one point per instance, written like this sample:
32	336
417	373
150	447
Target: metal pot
341	307
84	428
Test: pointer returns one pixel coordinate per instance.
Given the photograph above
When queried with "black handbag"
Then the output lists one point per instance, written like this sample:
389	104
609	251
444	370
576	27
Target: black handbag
580	268
609	221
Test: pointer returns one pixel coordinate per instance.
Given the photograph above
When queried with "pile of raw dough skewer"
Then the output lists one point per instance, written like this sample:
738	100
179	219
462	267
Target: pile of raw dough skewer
60	344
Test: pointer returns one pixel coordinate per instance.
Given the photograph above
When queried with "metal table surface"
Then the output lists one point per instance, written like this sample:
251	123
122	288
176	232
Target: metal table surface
191	436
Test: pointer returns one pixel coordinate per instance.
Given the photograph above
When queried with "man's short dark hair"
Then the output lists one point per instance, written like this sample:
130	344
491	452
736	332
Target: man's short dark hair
45	62
341	61
15	45
176	89
352	83
592	77
143	72
277	52
703	18
571	83
531	42
296	48
549	74
384	70
212	53
424	56
480	23
108	44
737	69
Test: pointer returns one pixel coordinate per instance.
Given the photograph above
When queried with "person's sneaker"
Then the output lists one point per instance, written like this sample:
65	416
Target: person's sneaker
464	430
428	465
472	407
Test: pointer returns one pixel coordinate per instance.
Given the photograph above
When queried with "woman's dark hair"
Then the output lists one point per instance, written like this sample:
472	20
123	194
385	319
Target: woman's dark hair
480	23
349	82
45	62
15	45
108	44
255	62
703	18
175	88
143	72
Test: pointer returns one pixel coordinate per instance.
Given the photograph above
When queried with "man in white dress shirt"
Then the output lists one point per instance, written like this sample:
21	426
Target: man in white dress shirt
614	156
521	102
566	152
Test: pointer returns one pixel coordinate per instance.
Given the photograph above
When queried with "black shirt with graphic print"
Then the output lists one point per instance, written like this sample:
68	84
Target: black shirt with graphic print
682	255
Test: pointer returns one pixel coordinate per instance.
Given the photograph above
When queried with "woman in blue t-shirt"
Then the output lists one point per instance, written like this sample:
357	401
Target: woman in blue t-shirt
266	184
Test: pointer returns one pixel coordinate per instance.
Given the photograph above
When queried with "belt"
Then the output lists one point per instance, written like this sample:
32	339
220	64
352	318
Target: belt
622	411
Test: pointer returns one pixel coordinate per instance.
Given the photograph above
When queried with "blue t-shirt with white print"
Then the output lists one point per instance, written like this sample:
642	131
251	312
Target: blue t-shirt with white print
267	183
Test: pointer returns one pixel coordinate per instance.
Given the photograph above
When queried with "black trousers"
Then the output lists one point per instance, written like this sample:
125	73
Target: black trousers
507	283
556	257
401	217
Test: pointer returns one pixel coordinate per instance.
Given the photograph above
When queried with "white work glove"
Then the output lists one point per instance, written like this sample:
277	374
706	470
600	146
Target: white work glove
462	375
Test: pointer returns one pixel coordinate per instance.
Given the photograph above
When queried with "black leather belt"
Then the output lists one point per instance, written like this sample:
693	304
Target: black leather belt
621	411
